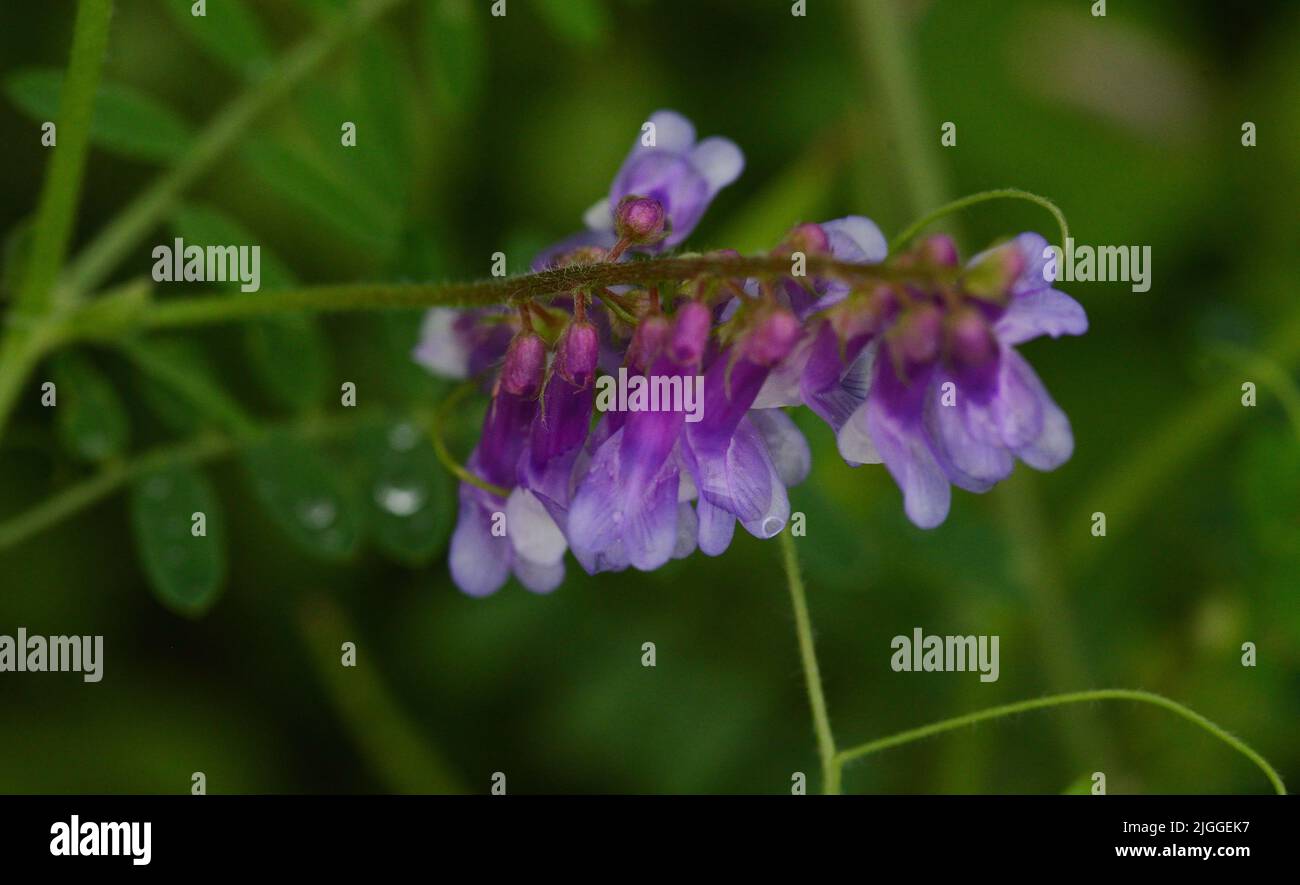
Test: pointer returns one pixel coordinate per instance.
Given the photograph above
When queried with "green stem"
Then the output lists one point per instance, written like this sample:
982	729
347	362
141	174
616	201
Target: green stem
67	503
1058	700
1272	372
811	672
101	256
205	309
78	497
58	202
27	333
444	455
1005	193
886	47
390	742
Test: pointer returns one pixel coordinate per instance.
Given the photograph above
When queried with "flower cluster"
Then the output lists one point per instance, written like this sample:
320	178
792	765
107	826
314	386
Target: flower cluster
911	362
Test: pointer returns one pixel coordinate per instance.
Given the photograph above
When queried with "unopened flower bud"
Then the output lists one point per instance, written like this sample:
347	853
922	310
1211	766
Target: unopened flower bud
772	338
640	220
525	365
647	341
918	334
971	343
939	249
991	276
577	353
808	238
690	335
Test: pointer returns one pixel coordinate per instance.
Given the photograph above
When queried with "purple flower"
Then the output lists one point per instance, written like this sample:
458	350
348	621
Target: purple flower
560	427
682	175
628	508
461	343
950	401
730	454
495	537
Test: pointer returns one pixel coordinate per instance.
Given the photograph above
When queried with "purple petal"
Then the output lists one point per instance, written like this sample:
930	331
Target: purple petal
894	422
1055	442
716	528
857	239
786	445
1044	312
718	161
650	530
479	561
1017	407
969	463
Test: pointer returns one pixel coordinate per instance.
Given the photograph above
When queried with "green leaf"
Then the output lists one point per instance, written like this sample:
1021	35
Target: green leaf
383	138
408	496
229	32
306	496
92	422
185	572
291	358
577	22
290	354
16	252
126	122
456	54
177	413
349	211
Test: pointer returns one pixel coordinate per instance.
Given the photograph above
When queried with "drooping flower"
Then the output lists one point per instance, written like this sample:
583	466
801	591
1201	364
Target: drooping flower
483	552
728	456
462	343
628	508
950	401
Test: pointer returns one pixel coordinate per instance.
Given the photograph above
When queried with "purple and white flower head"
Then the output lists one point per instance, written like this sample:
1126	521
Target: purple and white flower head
483	555
674	170
929	382
913	365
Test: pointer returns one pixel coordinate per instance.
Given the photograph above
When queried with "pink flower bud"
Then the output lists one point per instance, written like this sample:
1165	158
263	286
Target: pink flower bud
918	334
690	335
525	365
971	343
772	338
577	354
640	220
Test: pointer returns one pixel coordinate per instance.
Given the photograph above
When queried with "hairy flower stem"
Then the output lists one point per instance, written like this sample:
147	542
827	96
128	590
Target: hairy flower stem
508	290
1060	700
811	672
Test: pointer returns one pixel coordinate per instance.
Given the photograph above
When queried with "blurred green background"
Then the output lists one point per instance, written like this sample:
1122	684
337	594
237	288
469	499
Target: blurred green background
478	134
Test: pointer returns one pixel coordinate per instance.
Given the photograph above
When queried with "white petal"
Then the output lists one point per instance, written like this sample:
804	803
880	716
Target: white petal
719	161
856	238
441	350
600	217
532	532
854	442
673	132
785	444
